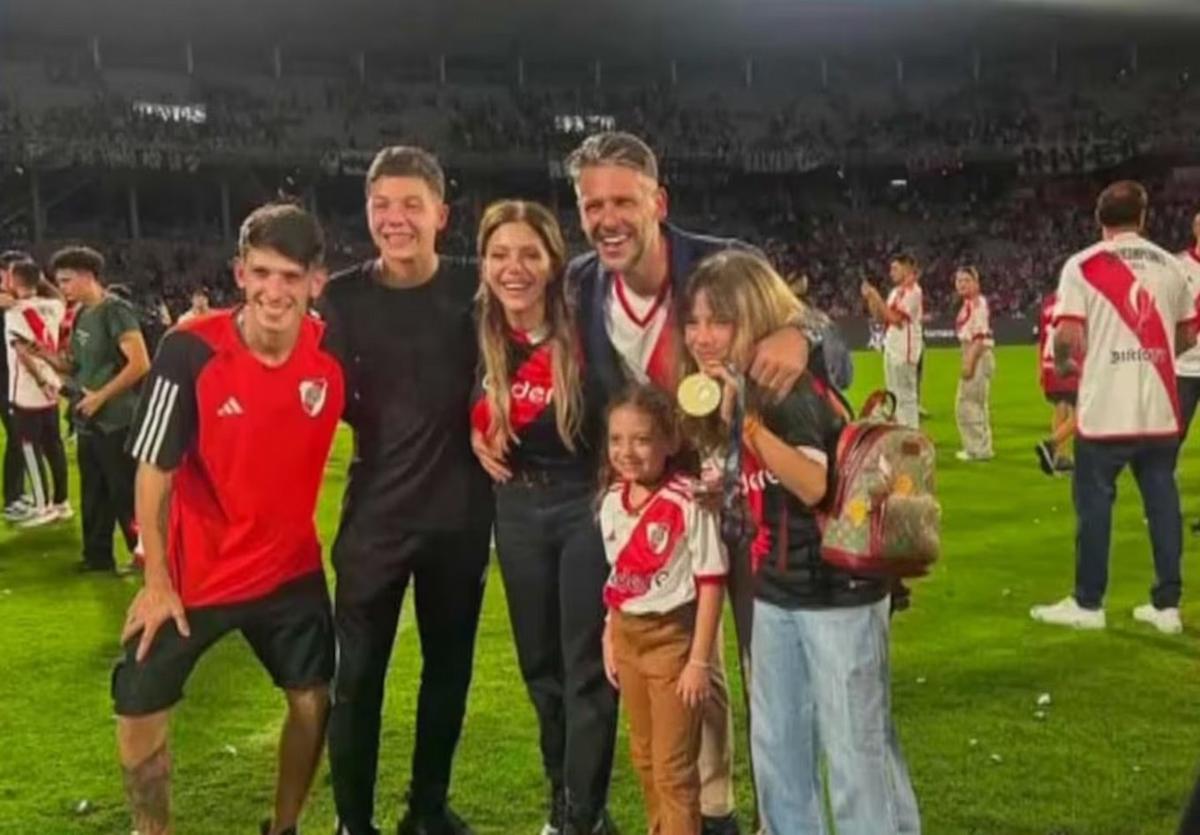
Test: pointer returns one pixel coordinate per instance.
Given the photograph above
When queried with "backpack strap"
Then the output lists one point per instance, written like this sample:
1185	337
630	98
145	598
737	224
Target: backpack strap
834	397
875	401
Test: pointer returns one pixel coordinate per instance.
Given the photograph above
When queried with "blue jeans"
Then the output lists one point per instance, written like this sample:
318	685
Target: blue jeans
821	685
1189	396
1097	465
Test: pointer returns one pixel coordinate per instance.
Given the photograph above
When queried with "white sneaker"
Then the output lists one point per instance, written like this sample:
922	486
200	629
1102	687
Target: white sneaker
1164	620
1067	612
963	455
62	512
38	518
17	512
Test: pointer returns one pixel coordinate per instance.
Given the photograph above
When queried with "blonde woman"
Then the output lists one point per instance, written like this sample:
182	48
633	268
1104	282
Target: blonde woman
972	405
536	435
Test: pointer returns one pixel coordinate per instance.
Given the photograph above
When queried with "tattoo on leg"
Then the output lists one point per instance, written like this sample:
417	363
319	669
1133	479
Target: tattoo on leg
148	787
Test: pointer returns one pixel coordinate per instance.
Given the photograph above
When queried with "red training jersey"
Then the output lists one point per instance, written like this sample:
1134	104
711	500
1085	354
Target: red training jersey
248	444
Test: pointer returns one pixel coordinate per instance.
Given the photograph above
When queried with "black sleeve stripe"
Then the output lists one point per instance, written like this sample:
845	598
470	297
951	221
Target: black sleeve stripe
157	418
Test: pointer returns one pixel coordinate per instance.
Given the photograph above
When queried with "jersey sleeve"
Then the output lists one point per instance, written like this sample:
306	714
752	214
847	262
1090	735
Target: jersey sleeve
120	319
1072	302
709	559
807	422
1186	301
166	421
804	421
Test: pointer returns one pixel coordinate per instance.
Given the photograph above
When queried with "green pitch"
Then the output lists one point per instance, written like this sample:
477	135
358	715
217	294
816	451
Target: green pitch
1114	754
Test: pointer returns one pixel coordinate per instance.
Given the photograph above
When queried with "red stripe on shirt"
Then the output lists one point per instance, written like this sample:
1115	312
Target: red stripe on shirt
662	367
37	326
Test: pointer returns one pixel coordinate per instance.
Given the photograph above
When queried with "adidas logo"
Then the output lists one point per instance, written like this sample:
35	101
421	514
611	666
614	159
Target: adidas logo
230	408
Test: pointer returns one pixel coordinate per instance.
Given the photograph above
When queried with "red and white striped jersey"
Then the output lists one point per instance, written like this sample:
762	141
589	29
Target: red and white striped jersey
903	342
34	320
1130	295
1188	365
974	322
660	551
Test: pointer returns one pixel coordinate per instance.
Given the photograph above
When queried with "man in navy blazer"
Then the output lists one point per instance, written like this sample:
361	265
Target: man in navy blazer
629	289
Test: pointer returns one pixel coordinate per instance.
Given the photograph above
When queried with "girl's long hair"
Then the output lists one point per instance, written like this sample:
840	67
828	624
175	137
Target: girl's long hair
494	330
742	288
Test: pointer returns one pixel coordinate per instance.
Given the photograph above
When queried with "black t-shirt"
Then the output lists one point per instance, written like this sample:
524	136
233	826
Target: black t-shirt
409	356
533	418
793	575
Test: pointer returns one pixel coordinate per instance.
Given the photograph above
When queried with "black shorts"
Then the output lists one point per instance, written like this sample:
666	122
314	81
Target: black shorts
1071	398
34	425
290	630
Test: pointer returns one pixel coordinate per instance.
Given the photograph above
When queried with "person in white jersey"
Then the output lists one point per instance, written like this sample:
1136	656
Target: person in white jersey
1187	367
1125	303
34	385
973	403
903	340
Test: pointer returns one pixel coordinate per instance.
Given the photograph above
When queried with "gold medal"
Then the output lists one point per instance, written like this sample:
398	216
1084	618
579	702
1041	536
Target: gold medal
699	395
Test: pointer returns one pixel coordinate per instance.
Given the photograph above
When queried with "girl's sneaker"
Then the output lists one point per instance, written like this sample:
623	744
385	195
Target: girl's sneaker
39	517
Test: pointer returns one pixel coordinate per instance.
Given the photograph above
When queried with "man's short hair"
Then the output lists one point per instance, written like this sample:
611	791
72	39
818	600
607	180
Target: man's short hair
1122	204
200	291
26	273
613	148
286	228
908	260
12	256
408	161
82	259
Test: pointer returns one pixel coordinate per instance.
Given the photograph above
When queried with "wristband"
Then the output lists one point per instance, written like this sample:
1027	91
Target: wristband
703	665
750	427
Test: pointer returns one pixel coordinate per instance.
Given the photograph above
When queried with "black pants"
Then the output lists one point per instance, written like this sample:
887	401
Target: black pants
1190	825
552	560
106	474
448	571
42	446
14	466
1094	489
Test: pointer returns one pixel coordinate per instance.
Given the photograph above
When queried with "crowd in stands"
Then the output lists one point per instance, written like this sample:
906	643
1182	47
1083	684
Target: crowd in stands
1016	240
937	117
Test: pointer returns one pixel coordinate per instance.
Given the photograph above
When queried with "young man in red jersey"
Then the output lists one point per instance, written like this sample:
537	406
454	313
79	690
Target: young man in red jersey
231	438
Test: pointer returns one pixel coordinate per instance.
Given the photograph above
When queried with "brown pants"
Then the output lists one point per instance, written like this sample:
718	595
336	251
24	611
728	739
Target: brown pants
664	734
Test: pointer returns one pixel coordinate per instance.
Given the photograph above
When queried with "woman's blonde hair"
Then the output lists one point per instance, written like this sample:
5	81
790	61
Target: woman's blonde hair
742	288
494	329
968	270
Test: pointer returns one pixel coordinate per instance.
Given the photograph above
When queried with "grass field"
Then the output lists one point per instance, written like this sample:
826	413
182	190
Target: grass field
1114	755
